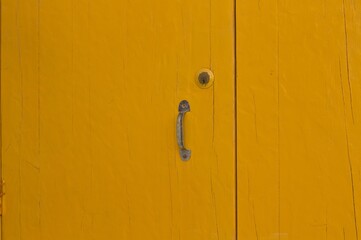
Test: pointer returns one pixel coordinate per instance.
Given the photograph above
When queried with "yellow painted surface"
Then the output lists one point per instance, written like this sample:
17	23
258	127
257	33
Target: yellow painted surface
89	97
89	100
298	119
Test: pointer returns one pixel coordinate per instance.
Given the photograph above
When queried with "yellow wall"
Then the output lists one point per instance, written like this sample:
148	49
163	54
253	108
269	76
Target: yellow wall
299	122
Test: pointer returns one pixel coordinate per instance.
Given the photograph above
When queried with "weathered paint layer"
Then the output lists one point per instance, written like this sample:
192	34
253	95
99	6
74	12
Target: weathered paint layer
90	91
299	122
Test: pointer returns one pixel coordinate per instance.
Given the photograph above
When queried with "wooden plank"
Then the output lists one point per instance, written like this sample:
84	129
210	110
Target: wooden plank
90	91
298	119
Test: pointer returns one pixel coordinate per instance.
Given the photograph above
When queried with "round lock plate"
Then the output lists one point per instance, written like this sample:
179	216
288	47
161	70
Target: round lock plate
204	78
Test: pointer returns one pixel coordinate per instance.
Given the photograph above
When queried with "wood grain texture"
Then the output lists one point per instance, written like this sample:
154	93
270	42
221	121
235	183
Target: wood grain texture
299	103
89	99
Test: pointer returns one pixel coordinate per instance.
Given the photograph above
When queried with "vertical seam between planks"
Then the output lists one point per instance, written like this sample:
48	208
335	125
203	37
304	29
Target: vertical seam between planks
235	117
39	109
278	122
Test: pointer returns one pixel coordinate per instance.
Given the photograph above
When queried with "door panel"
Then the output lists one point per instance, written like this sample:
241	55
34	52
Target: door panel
89	100
298	119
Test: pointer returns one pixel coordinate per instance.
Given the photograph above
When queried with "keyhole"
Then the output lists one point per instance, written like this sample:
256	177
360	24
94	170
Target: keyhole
203	78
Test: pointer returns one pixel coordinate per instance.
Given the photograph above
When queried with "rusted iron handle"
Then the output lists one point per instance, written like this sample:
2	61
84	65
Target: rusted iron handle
183	108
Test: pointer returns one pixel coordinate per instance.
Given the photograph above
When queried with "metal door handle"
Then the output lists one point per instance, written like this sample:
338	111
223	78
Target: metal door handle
183	108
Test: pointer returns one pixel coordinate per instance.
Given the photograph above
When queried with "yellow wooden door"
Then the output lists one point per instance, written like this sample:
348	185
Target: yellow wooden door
298	119
89	101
